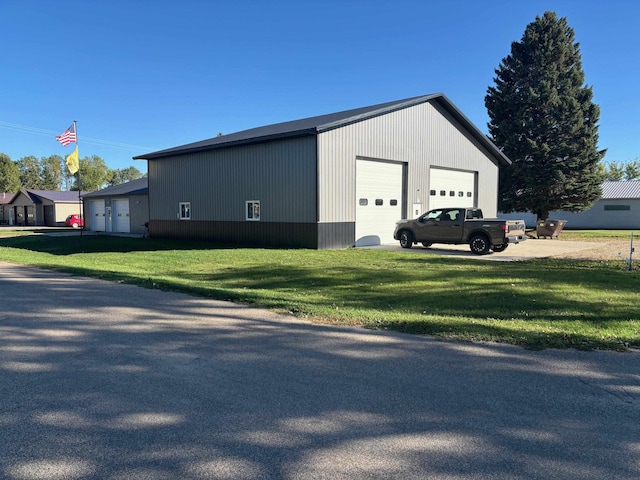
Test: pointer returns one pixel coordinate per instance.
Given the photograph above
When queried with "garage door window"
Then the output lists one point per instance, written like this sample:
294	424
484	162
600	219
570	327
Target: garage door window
252	210
185	210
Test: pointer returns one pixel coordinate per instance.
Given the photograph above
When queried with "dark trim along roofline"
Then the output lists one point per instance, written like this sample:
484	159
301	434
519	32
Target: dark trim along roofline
323	123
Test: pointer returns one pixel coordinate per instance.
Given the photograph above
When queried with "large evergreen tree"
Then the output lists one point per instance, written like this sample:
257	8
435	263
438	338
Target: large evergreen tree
543	118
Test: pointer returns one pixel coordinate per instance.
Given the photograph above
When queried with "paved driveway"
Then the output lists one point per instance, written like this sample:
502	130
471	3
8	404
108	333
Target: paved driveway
144	384
531	248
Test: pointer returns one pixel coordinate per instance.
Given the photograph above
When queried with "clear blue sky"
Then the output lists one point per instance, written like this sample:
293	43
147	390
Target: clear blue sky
144	75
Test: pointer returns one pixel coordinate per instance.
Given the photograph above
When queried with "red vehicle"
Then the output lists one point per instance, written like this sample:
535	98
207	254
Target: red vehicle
74	221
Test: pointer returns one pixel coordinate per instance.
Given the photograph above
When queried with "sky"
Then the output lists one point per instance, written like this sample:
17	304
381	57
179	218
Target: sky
144	75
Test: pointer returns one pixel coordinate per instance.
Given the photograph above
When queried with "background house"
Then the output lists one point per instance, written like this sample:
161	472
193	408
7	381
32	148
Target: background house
122	208
618	208
330	181
5	199
41	207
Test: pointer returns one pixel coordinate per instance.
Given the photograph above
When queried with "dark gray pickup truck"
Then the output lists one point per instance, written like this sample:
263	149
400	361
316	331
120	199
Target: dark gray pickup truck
458	226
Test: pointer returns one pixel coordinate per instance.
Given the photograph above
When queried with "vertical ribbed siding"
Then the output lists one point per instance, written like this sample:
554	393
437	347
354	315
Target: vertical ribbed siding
420	136
280	174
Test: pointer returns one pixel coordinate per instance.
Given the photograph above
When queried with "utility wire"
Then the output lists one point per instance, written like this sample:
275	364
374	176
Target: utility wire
50	133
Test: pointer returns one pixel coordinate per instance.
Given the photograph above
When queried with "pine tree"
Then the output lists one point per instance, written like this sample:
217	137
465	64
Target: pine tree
543	118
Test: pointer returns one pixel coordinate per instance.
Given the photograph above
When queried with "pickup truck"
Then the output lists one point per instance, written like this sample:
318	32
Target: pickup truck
459	226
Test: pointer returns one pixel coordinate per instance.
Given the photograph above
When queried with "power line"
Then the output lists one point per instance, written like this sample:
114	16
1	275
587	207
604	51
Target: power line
90	140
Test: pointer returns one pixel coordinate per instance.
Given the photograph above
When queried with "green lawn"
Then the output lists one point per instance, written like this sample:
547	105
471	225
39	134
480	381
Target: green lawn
538	303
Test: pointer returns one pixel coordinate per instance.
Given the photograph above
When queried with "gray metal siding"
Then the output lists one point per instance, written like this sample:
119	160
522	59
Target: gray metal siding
420	136
280	174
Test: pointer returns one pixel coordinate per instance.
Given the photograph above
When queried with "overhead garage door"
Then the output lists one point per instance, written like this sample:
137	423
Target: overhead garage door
378	201
97	215
121	216
451	188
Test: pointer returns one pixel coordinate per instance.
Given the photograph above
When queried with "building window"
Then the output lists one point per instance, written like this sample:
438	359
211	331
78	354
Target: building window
452	193
469	194
461	194
393	203
379	201
364	202
185	211
617	207
252	210
432	192
443	193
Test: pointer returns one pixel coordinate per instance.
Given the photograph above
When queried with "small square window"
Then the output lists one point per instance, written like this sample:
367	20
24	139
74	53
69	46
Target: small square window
469	194
432	192
379	201
393	203
252	210
452	193
363	202
461	194
443	193
185	211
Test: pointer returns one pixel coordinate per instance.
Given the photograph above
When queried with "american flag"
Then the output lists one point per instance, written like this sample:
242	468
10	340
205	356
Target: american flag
68	136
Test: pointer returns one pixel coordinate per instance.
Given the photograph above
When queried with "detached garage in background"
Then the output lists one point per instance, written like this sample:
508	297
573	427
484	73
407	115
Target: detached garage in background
330	181
41	207
119	209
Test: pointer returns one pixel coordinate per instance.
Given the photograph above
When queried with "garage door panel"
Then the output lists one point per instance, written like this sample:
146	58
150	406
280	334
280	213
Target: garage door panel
97	215
121	216
378	201
451	188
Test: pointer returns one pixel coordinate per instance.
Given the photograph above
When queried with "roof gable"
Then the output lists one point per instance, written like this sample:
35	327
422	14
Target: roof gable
322	123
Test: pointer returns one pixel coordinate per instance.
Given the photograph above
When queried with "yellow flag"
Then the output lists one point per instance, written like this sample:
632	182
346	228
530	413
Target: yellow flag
72	161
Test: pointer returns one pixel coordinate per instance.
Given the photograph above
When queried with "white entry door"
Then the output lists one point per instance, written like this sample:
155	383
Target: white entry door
378	201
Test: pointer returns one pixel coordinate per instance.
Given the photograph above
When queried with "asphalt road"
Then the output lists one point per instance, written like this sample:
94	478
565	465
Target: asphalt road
107	381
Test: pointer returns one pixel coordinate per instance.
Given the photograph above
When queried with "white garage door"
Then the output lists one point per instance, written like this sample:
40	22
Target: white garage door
378	201
97	215
451	188
121	216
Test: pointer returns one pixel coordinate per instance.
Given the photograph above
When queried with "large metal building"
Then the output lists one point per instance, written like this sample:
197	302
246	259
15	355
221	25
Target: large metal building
331	181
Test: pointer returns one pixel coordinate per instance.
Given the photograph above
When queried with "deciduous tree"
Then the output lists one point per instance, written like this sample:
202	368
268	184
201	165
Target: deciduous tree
9	175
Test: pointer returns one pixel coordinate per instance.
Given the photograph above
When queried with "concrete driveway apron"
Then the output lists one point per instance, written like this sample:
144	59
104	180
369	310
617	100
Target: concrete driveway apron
108	381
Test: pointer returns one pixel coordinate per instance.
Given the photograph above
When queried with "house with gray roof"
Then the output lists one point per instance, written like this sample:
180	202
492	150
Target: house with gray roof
121	208
331	181
617	209
30	207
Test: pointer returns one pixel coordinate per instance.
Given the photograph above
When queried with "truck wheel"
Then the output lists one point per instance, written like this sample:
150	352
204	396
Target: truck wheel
74	224
426	244
500	248
479	244
406	239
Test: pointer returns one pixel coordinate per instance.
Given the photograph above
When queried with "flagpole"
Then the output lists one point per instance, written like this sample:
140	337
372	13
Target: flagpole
80	209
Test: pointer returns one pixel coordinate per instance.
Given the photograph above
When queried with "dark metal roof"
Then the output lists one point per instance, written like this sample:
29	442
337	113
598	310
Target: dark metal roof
36	196
322	123
134	187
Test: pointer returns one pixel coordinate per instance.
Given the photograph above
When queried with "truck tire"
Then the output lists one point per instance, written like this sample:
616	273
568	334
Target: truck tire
406	239
479	244
500	248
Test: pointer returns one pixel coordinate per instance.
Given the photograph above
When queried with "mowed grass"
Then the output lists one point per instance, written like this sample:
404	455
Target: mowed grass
538	303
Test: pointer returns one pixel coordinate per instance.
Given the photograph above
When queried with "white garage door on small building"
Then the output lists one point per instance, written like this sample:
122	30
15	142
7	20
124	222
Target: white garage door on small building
451	188
378	201
121	216
97	216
